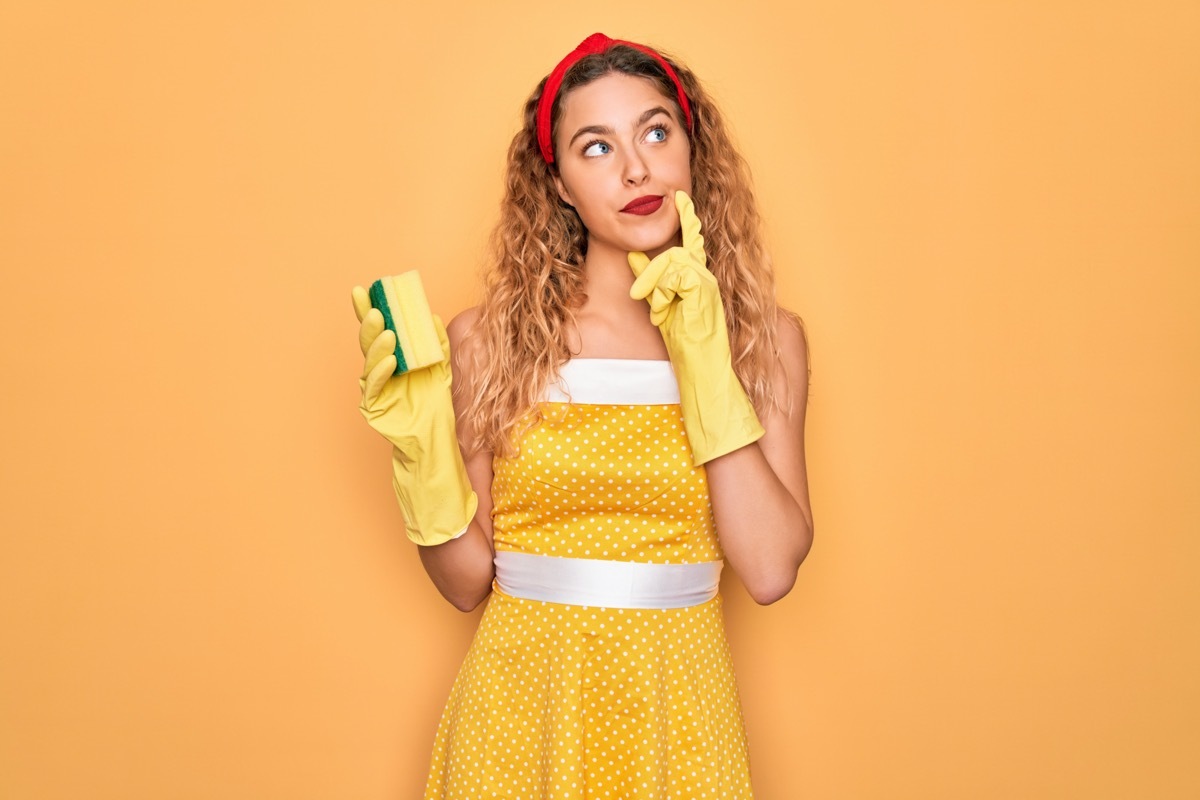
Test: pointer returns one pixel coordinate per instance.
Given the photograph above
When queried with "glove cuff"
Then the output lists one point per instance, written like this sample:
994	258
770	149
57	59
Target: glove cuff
434	511
717	414
432	488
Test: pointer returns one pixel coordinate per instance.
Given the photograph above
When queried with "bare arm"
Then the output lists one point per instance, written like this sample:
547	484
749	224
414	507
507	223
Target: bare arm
760	492
462	568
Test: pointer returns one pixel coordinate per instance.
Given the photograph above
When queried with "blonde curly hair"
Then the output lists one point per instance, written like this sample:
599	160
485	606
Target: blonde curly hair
534	280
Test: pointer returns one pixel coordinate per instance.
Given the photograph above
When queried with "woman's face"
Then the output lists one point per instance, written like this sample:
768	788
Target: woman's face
620	150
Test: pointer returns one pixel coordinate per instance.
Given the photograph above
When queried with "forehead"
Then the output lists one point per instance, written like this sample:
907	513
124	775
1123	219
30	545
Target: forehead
615	101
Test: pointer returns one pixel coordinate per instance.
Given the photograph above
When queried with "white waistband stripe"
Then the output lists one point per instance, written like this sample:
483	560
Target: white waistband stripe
606	584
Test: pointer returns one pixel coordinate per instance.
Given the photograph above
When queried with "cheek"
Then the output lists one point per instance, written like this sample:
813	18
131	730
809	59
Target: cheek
586	202
583	210
679	172
579	190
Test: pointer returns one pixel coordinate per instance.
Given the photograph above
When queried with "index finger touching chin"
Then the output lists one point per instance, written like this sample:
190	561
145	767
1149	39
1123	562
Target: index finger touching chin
689	224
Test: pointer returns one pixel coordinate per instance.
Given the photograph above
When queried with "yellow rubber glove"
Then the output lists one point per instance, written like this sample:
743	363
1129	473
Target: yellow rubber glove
414	412
686	306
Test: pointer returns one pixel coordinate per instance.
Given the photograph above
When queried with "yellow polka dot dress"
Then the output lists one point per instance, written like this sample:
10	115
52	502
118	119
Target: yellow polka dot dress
571	701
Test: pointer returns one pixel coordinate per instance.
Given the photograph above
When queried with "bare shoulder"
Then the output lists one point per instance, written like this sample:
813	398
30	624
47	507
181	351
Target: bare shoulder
793	351
790	330
466	345
460	329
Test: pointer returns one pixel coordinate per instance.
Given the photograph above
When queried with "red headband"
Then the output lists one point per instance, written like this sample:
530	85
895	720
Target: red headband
596	43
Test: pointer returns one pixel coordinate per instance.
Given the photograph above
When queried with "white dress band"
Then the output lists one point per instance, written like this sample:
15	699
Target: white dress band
606	584
614	381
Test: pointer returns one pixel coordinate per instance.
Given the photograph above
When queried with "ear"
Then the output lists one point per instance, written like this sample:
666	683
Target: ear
563	193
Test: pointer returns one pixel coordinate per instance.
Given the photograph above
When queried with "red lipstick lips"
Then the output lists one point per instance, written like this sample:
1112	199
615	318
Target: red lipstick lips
644	205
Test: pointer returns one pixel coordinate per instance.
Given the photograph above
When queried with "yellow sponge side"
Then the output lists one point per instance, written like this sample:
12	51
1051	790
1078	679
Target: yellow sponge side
415	332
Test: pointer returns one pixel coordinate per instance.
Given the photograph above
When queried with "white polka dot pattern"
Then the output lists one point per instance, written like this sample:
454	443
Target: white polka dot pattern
567	702
605	481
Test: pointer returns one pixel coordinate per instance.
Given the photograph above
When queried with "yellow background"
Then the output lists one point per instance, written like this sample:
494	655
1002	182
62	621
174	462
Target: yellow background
987	213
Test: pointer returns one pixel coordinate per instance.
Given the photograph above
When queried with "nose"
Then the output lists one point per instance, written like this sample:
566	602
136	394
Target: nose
635	170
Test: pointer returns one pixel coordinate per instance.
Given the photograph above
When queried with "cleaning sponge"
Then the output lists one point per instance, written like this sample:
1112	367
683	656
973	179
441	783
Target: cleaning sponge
401	300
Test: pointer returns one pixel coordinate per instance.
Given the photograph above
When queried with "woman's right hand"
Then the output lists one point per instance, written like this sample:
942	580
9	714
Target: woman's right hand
415	413
396	405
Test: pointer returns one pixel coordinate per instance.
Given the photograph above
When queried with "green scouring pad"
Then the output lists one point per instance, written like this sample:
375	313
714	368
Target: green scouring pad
401	299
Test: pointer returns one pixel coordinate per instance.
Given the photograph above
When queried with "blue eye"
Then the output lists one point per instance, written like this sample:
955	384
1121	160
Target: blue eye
590	149
662	134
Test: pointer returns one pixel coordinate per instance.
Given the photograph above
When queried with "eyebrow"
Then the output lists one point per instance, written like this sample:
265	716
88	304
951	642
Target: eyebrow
605	130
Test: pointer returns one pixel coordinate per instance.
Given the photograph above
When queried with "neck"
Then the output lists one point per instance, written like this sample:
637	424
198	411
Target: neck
609	277
610	323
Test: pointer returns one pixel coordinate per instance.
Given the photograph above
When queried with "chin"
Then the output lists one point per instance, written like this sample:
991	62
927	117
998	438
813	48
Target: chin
651	252
653	245
647	241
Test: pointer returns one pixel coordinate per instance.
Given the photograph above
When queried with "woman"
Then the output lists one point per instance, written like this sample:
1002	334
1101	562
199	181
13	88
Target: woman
629	403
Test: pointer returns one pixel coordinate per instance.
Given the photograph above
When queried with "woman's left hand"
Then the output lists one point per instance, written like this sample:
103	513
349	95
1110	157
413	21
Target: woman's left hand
685	304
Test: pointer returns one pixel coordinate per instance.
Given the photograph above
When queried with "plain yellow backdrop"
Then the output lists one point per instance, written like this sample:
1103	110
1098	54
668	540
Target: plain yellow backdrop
988	215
